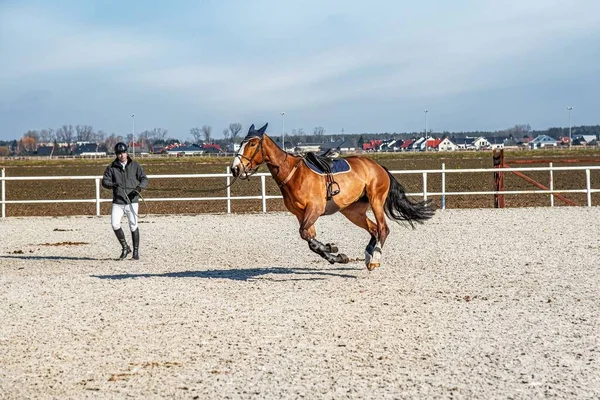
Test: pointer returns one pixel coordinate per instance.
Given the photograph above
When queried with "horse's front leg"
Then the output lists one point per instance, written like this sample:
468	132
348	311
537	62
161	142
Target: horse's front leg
308	233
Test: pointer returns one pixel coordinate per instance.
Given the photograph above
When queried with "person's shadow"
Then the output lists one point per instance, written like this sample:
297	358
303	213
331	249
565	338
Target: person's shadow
245	274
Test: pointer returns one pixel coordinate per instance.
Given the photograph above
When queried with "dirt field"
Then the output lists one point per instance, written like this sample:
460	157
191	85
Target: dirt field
473	304
160	188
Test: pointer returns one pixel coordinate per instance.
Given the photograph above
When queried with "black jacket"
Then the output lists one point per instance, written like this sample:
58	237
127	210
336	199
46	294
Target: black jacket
128	179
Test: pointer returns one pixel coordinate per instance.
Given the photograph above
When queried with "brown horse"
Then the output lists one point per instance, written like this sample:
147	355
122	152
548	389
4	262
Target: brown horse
305	194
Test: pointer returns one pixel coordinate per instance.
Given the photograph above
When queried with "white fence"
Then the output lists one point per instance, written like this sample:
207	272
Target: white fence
264	196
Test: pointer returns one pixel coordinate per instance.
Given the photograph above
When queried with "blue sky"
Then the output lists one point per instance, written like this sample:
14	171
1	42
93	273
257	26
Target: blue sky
361	66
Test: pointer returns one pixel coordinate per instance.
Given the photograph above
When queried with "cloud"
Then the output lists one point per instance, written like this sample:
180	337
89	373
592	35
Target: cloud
487	47
43	43
213	61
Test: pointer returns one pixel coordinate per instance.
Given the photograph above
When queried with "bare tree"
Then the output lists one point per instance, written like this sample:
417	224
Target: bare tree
158	134
99	136
145	140
235	129
65	134
206	130
85	133
318	131
196	134
111	140
226	134
47	135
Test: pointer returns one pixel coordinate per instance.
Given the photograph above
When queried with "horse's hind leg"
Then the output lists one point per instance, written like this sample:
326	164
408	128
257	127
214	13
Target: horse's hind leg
357	214
377	203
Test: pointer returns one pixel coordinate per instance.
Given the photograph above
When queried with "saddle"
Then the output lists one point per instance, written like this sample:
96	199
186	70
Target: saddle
324	162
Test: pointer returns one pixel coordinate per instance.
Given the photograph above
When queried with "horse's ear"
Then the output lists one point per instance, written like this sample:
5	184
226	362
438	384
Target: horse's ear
251	128
263	129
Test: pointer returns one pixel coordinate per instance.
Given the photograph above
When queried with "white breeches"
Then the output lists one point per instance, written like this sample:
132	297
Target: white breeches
130	210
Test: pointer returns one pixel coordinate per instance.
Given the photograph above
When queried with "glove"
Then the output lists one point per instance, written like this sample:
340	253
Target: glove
138	189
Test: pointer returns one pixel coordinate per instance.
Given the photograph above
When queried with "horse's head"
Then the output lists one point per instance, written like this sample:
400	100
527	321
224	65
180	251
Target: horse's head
251	154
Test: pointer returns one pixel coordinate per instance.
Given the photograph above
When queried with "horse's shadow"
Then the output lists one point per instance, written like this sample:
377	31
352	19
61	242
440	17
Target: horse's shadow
244	274
57	258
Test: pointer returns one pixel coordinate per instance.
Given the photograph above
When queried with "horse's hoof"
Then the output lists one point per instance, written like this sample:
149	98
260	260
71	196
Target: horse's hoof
372	266
331	248
343	258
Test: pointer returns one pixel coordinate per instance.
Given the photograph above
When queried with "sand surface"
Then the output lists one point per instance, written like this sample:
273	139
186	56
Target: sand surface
473	304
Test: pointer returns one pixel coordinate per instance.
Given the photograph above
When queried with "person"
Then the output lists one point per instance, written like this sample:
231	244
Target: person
126	178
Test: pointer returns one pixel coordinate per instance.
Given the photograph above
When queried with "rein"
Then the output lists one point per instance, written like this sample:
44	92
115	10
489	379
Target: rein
124	190
193	190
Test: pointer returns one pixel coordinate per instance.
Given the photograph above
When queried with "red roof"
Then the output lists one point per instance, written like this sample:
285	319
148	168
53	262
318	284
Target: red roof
211	146
407	143
433	143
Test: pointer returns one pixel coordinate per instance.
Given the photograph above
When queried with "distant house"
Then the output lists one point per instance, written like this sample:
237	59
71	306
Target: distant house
481	143
191	150
211	148
349	146
45	151
584	140
465	143
496	142
372	145
341	146
406	145
542	141
287	145
432	144
233	147
418	144
307	147
391	145
90	150
335	146
447	145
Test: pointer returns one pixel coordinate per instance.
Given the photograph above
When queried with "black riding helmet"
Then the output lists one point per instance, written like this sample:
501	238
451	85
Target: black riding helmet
120	148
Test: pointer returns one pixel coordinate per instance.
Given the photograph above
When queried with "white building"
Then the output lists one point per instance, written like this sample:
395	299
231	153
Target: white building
447	145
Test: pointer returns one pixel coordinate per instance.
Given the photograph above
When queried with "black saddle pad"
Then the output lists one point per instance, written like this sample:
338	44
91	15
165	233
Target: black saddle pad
337	166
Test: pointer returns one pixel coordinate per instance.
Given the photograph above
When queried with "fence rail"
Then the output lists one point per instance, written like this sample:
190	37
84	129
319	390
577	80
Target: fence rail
588	190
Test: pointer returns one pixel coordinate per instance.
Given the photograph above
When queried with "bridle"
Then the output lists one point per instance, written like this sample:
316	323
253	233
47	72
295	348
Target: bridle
262	151
251	159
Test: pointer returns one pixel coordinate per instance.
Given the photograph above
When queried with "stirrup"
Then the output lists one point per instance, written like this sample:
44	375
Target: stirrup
332	190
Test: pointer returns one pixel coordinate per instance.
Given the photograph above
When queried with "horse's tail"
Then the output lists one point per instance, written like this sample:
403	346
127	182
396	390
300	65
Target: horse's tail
398	207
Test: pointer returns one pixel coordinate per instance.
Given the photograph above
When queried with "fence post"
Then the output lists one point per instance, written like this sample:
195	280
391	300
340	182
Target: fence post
443	186
228	190
263	193
97	197
498	157
424	186
551	186
3	193
588	186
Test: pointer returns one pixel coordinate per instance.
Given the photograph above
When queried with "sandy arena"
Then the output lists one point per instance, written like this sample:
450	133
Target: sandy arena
473	304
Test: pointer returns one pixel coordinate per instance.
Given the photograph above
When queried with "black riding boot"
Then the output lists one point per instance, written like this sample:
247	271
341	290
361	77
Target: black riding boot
126	249
135	235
